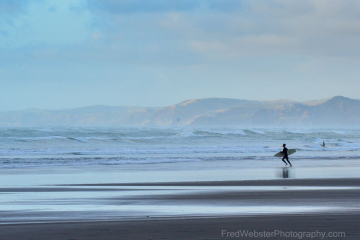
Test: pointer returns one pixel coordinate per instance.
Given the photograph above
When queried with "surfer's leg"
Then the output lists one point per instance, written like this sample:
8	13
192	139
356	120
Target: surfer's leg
287	159
283	159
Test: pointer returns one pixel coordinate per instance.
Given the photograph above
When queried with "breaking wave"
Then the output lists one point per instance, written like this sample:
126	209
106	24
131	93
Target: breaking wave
89	146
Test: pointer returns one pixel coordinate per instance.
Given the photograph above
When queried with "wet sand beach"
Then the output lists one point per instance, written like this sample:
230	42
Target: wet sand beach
278	227
180	200
183	210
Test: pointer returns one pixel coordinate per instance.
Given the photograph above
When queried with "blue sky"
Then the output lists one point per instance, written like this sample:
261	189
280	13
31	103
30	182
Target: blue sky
71	53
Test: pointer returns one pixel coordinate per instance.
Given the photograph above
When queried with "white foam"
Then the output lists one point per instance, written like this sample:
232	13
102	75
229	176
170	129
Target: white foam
227	132
338	132
257	131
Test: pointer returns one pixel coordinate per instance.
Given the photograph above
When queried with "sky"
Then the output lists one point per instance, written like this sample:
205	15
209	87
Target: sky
73	53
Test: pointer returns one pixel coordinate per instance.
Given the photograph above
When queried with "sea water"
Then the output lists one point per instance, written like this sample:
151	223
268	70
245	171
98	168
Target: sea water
69	146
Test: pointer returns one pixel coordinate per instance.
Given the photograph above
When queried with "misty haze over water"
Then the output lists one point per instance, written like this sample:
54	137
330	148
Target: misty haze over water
333	112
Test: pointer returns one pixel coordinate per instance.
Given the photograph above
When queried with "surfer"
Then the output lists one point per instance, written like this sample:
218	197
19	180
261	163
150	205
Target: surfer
285	152
323	144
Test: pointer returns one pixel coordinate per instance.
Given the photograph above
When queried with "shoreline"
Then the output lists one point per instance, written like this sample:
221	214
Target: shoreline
178	172
261	182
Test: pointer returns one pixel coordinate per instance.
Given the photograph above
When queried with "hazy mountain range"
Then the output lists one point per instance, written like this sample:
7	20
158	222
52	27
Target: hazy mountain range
336	111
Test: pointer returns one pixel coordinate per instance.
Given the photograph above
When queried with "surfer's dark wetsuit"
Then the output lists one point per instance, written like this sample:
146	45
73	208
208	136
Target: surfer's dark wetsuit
285	151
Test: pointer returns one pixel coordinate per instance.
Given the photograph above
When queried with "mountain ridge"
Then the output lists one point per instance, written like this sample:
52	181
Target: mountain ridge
334	111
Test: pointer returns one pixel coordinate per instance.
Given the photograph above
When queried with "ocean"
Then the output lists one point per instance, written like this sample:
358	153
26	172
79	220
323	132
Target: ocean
69	146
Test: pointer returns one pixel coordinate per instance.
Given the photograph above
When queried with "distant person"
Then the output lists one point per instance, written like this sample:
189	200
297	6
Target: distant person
286	156
323	144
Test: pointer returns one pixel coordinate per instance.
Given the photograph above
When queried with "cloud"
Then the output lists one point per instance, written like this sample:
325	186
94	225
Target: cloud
138	6
232	29
161	6
281	28
163	31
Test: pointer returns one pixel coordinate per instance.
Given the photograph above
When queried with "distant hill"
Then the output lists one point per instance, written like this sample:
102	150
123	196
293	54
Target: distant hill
336	111
183	113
